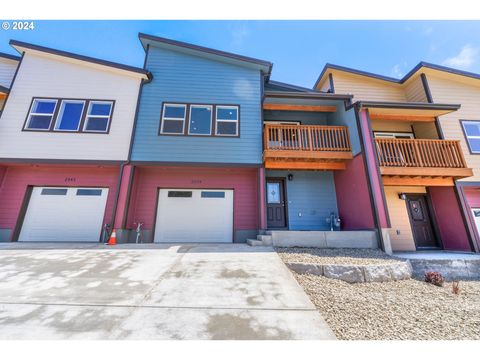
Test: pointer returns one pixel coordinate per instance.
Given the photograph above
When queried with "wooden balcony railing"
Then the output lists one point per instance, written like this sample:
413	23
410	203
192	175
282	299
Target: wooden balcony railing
311	138
420	153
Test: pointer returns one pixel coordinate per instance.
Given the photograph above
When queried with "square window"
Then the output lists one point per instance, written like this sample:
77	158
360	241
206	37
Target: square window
227	113
472	134
174	112
227	121
472	128
200	120
98	116
41	114
173	119
227	128
69	116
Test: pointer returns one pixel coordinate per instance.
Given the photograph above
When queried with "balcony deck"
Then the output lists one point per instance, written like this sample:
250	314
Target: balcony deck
306	147
421	162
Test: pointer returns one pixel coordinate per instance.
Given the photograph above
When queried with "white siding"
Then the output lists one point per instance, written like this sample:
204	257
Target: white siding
7	70
42	76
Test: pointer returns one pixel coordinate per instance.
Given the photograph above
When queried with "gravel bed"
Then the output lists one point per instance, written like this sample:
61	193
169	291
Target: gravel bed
335	256
399	310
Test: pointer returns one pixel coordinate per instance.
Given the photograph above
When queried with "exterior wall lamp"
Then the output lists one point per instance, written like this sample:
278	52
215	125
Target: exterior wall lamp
402	196
290	177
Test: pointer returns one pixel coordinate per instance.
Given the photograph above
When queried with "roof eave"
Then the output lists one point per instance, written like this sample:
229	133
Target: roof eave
396	105
311	94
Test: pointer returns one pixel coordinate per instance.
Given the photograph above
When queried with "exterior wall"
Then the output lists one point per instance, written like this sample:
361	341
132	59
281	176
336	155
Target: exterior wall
311	198
401	231
446	90
395	126
7	70
425	130
364	88
41	76
18	178
306	118
449	219
354	206
347	118
414	90
143	202
179	77
471	195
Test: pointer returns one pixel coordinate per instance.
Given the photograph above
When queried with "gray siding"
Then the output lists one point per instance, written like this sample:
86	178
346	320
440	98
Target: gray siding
179	77
311	198
347	118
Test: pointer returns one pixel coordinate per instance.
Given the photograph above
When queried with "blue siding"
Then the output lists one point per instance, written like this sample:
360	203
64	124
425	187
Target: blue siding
179	77
311	198
347	118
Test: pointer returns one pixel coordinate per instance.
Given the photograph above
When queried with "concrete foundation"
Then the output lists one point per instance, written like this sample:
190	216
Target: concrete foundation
325	239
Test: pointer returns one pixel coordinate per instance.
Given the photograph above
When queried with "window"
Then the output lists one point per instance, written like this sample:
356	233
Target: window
181	194
472	134
41	114
69	116
89	192
173	119
213	194
393	135
54	192
98	116
227	121
200	120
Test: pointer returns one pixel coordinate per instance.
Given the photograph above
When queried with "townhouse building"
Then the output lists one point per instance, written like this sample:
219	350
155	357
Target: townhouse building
65	132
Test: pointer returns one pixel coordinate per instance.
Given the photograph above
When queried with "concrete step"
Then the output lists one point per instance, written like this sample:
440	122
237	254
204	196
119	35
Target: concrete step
266	239
253	242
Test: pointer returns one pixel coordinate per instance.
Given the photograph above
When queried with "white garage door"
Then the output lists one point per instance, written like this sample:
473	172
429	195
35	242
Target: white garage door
185	215
64	214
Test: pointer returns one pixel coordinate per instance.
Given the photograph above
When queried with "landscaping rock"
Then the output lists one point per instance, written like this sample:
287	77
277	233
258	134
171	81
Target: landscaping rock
351	274
311	269
377	273
401	271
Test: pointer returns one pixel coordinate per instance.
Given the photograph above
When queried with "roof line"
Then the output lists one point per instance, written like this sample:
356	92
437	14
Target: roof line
287	85
406	105
311	94
4	89
9	56
79	57
207	50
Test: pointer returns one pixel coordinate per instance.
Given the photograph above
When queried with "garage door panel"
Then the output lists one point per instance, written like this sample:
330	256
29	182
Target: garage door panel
61	214
203	215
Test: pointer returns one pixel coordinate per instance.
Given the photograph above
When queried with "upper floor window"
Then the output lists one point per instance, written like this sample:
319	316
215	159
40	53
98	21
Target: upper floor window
98	116
472	134
200	120
227	120
41	114
71	115
173	119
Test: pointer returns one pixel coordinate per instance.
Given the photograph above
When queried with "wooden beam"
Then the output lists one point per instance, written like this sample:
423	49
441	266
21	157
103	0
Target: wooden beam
303	165
408	181
298	154
400	117
290	107
426	171
3	96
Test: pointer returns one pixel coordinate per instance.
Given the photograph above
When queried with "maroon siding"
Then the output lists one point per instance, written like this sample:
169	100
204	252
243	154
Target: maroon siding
449	218
18	178
353	200
148	179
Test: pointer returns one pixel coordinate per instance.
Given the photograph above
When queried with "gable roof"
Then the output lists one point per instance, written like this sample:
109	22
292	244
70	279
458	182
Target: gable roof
20	46
420	65
9	56
264	66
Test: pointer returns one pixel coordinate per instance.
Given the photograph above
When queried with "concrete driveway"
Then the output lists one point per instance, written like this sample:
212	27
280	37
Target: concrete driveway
151	292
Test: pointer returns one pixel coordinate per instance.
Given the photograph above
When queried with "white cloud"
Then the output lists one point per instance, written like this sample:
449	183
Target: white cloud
464	59
239	33
398	70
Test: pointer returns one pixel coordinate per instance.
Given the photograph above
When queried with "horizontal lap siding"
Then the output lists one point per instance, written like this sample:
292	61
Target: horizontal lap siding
414	90
17	178
148	180
455	92
7	71
311	194
180	77
40	76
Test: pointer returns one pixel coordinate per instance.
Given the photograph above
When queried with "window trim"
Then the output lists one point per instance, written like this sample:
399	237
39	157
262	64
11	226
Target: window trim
109	117
57	118
30	113
212	109
237	121
393	133
187	120
57	110
462	121
164	105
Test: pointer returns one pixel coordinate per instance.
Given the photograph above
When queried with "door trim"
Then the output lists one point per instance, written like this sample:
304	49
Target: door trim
285	200
434	228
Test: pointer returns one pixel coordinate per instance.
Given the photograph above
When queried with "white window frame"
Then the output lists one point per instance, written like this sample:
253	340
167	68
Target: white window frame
173	119
392	135
237	121
57	119
467	137
87	115
190	118
30	114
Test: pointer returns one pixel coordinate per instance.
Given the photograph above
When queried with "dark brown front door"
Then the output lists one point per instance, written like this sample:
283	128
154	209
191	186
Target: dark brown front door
420	220
276	215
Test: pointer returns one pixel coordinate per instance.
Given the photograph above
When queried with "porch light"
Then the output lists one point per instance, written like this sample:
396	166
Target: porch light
402	196
290	177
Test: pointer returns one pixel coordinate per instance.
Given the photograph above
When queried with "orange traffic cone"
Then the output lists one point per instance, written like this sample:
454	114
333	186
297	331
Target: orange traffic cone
113	238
